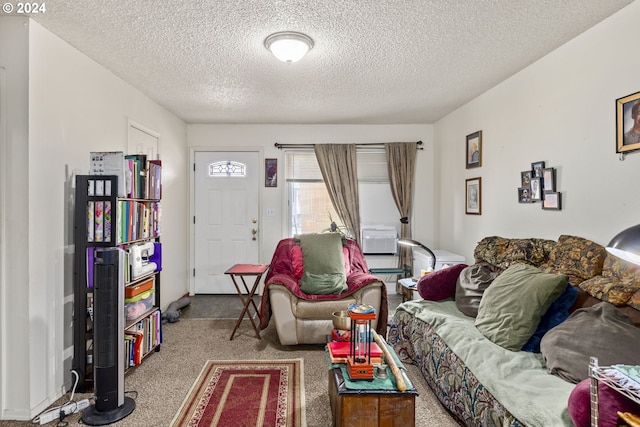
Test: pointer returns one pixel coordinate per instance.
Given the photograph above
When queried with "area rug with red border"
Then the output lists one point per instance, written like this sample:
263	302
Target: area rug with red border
249	393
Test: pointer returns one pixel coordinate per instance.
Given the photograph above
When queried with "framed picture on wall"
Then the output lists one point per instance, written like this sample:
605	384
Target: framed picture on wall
536	169
524	195
536	189
474	150
270	172
628	123
525	179
549	179
552	201
473	195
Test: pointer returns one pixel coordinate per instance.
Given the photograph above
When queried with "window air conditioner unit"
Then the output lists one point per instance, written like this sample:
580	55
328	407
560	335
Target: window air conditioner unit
379	241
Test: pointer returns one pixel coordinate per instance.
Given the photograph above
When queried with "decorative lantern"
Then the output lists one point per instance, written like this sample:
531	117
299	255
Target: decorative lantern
359	363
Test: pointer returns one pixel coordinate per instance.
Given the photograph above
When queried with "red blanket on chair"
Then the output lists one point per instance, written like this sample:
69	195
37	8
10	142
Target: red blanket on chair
281	272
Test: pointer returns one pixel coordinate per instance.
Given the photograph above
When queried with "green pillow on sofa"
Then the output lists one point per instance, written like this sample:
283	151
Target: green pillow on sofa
511	308
323	264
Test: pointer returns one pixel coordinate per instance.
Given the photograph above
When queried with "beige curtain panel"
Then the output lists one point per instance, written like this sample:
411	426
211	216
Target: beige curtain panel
339	170
401	163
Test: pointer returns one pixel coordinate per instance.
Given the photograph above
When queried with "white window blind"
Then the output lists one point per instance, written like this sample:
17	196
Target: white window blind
308	200
303	166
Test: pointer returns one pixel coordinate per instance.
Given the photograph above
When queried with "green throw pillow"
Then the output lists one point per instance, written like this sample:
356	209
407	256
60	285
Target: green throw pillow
323	264
511	307
322	284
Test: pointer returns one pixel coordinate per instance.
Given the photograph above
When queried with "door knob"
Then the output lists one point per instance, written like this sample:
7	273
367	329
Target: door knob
253	232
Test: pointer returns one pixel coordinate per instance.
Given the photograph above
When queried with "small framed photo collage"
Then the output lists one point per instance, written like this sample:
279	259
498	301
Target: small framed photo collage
538	184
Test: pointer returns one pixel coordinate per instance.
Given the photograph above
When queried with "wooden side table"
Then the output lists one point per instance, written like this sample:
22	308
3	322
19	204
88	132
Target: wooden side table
366	408
408	287
242	270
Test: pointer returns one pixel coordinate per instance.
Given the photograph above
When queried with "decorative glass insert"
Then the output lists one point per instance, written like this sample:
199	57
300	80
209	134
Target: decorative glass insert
227	168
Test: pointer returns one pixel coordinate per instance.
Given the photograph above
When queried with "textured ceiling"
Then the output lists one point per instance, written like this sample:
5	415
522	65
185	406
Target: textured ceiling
374	61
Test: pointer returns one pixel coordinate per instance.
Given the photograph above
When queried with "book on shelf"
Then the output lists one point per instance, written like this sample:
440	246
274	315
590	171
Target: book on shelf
98	221
137	220
138	339
90	260
136	165
107	221
90	307
138	177
129	347
91	225
154	179
142	337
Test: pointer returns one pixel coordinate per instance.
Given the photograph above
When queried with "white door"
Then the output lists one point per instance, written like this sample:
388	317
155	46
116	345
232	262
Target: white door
143	141
226	216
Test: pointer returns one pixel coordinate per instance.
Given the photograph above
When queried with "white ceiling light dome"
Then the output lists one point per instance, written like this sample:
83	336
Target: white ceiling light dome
289	46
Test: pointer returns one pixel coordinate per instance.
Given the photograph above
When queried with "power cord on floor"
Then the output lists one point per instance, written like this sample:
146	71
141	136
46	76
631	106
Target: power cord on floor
133	393
59	413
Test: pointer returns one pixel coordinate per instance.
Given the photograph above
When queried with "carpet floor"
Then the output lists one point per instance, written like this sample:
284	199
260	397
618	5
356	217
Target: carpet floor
164	379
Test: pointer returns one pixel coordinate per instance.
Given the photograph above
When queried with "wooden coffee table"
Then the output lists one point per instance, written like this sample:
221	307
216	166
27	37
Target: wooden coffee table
366	408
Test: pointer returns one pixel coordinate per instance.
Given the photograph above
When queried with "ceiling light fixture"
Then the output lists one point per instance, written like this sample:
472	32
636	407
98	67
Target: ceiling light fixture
288	46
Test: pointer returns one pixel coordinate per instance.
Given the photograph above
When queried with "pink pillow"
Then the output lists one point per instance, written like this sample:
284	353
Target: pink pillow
609	402
347	261
297	263
440	284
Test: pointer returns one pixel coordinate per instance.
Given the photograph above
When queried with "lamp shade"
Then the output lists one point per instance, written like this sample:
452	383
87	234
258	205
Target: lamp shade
626	245
288	46
414	243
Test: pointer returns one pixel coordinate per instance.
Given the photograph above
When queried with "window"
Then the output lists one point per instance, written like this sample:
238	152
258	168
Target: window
310	208
227	168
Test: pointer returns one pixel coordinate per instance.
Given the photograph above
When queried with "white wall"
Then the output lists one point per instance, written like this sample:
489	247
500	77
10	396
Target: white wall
14	270
560	110
75	106
273	228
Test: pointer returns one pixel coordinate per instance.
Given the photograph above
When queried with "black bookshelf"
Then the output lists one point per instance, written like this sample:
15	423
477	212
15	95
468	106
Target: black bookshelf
98	216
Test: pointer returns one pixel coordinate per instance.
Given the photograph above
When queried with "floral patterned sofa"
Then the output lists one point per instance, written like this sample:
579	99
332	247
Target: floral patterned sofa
483	384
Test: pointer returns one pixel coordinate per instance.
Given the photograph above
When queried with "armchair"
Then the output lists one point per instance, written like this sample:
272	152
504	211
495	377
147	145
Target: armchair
302	318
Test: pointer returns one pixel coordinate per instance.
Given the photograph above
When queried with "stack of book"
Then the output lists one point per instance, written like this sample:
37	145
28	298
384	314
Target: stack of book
138	177
339	351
